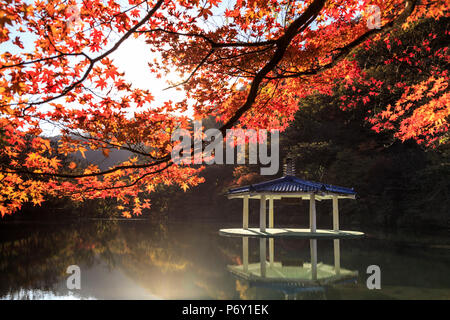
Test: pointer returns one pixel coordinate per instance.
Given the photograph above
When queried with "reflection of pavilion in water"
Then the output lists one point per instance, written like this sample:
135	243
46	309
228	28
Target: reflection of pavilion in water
288	277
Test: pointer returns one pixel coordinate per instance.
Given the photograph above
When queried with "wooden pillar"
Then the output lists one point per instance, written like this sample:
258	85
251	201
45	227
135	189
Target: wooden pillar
270	212
262	256
271	240
245	253
313	246
337	257
271	251
245	213
262	214
312	212
335	214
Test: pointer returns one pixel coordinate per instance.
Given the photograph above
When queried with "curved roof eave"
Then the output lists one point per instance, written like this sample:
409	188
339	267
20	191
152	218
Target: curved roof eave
292	185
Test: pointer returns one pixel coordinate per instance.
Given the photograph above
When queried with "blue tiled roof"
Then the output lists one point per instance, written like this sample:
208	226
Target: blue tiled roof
289	183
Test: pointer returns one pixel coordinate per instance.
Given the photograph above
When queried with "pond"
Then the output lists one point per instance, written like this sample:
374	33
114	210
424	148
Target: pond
140	259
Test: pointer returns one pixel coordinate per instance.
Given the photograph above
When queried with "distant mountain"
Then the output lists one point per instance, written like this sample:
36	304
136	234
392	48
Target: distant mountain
98	158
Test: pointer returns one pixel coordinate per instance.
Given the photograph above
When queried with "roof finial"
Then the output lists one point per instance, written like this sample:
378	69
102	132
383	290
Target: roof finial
289	166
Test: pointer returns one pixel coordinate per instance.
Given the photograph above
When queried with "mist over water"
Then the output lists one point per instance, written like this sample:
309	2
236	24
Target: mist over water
139	259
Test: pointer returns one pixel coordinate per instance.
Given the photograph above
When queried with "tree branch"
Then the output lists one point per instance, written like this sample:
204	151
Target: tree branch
345	50
282	44
92	61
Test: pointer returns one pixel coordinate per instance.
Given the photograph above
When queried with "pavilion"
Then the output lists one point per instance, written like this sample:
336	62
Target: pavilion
289	186
291	277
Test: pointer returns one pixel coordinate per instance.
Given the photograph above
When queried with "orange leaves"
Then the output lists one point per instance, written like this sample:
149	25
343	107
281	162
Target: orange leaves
14	191
72	165
428	120
232	13
3	210
69	81
82	150
105	152
407	85
428	9
111	72
146	204
40	163
126	214
101	83
7	18
18	43
184	186
96	40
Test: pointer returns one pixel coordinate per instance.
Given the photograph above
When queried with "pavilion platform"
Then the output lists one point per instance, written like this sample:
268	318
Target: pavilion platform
291	232
289	186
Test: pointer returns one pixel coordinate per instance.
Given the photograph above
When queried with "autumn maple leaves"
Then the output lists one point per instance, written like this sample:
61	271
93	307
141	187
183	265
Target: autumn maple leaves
275	52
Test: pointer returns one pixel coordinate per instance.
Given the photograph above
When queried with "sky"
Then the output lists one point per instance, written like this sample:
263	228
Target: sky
131	57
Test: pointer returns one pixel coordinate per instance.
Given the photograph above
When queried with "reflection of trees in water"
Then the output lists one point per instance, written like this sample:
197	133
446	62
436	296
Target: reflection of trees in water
185	264
410	270
40	259
169	265
189	261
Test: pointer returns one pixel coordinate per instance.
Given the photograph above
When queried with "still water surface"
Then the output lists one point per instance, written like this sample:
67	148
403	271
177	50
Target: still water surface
138	259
